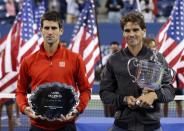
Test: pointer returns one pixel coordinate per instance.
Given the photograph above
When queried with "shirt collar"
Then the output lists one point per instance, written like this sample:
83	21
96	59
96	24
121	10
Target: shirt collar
142	52
42	49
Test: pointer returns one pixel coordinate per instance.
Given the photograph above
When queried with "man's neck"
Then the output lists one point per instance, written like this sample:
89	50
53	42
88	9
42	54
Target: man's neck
135	49
50	49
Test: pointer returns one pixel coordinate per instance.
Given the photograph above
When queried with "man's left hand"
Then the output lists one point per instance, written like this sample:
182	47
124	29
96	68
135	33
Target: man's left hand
147	99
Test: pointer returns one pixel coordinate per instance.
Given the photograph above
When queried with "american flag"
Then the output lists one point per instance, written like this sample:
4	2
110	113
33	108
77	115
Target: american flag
21	40
85	39
170	40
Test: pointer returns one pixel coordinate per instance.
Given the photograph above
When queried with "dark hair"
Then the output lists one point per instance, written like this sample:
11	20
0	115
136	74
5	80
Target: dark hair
135	17
114	43
52	16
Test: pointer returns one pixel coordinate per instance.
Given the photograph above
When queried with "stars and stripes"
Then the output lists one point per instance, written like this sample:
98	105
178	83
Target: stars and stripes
21	40
170	40
85	39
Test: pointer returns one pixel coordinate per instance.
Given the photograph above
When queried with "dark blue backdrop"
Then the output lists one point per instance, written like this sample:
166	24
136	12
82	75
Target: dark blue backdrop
107	32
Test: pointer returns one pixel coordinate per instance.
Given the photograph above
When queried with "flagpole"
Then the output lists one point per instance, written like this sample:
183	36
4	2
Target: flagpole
138	5
98	33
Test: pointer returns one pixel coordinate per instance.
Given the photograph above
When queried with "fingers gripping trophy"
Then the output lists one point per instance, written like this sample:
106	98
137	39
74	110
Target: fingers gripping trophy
149	74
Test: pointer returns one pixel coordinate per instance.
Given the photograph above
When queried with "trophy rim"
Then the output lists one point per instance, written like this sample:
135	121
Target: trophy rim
50	84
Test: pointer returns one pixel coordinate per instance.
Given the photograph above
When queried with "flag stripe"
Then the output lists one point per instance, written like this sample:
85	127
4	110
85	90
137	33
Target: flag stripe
9	83
92	44
91	63
76	41
8	77
22	40
163	30
30	44
85	40
171	40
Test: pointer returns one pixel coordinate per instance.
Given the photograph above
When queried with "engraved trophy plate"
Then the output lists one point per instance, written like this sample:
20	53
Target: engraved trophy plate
149	74
50	100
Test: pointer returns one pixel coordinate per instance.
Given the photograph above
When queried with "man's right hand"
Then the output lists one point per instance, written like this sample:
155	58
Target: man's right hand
131	101
30	113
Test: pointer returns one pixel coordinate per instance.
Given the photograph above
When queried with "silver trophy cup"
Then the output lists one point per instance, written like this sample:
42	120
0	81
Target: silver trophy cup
148	75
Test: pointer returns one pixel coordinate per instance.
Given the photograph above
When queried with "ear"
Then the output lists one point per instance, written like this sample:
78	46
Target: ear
41	29
144	33
61	31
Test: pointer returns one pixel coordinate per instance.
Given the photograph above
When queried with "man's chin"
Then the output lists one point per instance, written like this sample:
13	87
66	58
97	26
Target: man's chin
133	44
50	43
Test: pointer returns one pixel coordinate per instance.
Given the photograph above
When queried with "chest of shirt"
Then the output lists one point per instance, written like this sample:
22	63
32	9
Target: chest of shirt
52	69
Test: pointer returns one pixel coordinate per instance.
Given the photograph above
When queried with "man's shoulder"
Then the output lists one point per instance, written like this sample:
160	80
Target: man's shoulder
71	54
115	57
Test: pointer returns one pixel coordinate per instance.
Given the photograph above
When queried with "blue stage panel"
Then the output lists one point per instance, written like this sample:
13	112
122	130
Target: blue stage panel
94	124
104	124
172	124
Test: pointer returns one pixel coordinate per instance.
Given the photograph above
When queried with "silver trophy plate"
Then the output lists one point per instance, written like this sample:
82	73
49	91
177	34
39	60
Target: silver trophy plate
51	100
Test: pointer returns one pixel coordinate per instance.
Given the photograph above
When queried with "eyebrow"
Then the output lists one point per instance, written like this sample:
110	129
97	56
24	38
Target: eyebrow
52	27
134	30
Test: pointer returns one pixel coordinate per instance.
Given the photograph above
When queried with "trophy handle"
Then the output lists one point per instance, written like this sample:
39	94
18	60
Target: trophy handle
173	75
128	68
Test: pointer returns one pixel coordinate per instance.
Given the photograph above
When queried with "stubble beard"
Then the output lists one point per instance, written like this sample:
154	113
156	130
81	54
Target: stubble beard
50	43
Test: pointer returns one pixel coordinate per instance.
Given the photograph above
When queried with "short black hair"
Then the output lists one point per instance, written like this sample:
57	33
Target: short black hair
52	16
114	43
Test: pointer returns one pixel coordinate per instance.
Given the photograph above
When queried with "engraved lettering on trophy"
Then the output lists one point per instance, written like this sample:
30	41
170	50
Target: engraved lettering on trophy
55	95
54	107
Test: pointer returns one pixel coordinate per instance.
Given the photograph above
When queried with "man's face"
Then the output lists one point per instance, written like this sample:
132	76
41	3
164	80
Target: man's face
51	32
133	34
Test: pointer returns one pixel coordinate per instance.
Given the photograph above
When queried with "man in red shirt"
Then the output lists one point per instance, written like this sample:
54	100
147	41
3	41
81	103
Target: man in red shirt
52	63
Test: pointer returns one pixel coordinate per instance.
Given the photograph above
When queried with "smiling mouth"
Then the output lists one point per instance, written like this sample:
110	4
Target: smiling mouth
49	37
131	40
50	43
